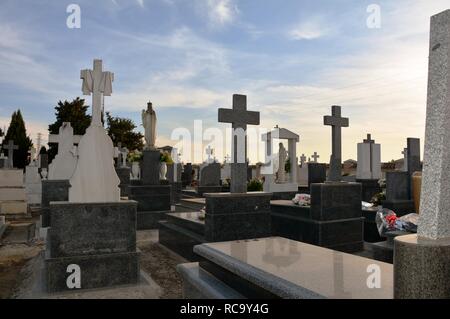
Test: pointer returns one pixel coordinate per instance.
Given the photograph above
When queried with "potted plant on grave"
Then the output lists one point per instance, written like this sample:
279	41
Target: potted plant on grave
135	157
255	185
165	160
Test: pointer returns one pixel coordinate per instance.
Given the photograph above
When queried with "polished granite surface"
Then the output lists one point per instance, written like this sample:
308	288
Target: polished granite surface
278	262
191	216
195	200
284	202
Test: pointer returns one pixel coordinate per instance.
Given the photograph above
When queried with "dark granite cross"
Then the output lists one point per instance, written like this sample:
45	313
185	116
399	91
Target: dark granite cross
315	156
239	117
337	122
10	147
369	140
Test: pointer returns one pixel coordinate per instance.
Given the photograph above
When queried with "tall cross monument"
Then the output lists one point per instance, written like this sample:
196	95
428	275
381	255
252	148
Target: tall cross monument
337	122
239	117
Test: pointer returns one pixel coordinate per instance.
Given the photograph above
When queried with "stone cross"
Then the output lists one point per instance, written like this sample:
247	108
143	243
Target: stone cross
369	139
239	117
99	83
10	147
302	159
315	156
337	122
66	139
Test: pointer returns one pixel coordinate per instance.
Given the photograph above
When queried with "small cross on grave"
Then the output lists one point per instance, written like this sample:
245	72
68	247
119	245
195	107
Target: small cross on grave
123	155
315	156
10	147
239	117
369	140
337	122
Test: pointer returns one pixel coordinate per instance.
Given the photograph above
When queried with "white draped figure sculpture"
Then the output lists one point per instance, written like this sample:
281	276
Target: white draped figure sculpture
95	179
281	163
149	124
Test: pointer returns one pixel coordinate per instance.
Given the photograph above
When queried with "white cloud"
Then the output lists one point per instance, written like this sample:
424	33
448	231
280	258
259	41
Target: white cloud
141	3
219	12
309	30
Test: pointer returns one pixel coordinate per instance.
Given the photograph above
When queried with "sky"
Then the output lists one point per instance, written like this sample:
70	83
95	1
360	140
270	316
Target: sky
292	58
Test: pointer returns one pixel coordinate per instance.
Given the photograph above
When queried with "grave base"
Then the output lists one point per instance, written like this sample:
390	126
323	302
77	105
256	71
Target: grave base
370	187
334	219
98	237
421	268
97	271
124	176
149	220
181	232
237	216
201	190
294	222
52	191
175	196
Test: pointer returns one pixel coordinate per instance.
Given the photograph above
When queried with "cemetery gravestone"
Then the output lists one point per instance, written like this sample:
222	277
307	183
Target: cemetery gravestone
154	198
85	231
422	260
369	168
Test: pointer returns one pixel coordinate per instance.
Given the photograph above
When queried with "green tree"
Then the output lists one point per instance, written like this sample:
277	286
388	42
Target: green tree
122	130
18	133
74	112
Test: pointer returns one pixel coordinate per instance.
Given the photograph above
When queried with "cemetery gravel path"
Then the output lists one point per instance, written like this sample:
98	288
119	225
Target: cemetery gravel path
161	264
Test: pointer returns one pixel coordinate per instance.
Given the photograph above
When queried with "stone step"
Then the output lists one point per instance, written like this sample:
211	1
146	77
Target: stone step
12	193
13	207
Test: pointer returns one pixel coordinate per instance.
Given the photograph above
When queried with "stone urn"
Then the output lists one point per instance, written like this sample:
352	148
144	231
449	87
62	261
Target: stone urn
135	170
163	171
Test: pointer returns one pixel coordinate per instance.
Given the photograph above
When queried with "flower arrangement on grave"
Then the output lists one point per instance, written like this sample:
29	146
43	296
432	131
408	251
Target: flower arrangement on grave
134	156
302	200
165	158
255	185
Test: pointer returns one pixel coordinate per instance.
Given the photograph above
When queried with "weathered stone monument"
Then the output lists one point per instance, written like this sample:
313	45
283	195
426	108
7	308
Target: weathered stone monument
152	196
209	176
369	167
422	260
92	237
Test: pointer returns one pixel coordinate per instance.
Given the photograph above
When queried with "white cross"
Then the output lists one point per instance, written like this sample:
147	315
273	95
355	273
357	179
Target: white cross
98	83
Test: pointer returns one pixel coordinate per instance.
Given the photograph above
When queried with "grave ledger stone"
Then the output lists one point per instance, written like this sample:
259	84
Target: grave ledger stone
422	260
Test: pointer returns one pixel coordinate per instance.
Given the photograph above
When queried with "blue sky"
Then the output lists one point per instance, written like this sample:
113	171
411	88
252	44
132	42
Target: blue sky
294	59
